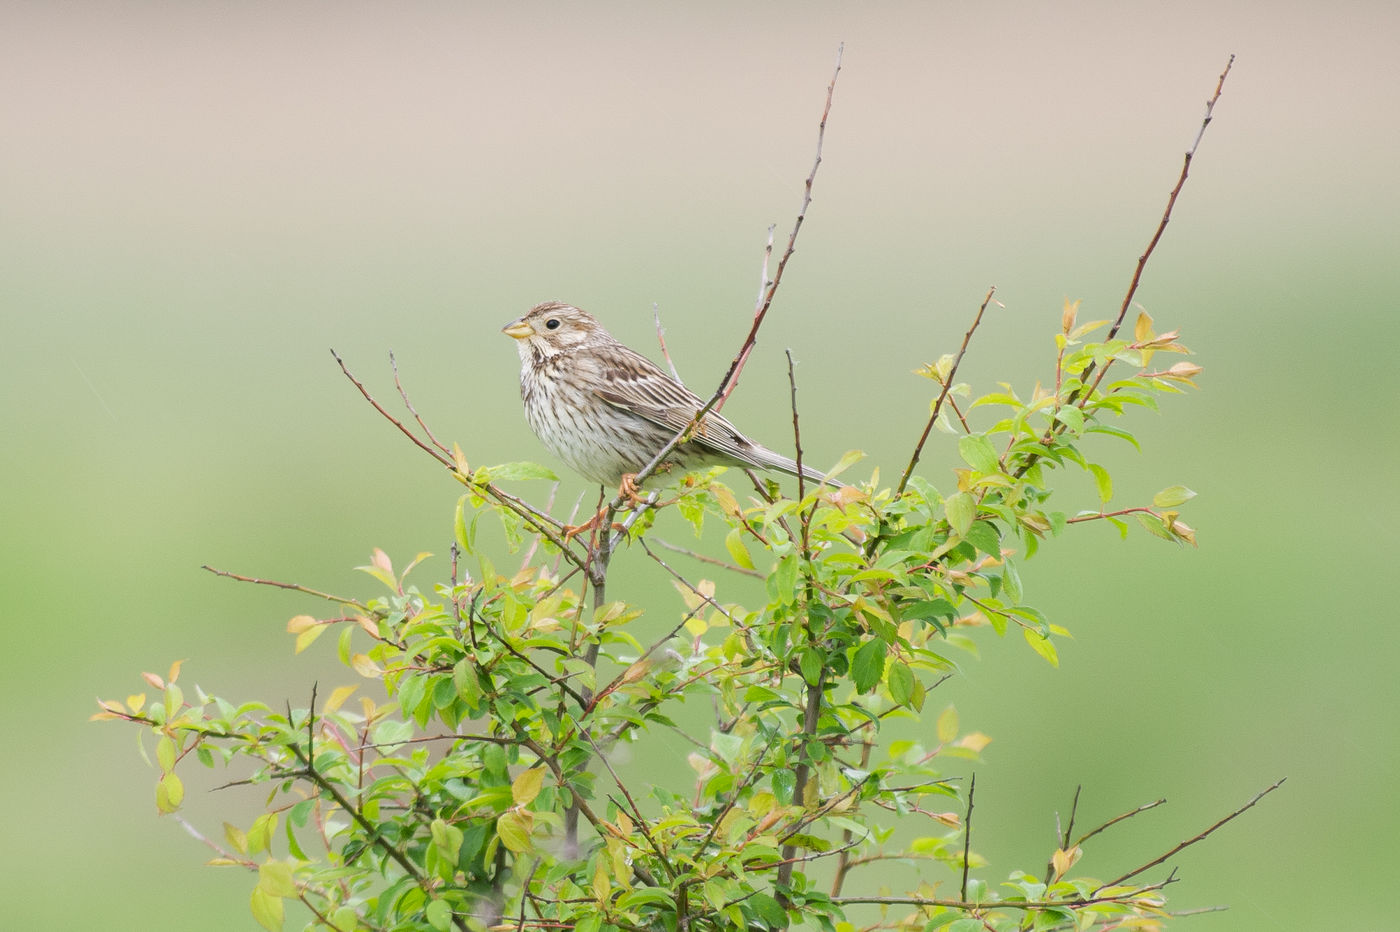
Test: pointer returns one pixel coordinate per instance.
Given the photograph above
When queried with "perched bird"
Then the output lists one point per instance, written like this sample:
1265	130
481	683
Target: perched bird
606	410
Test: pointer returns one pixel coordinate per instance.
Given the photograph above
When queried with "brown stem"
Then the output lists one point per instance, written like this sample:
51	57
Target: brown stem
943	394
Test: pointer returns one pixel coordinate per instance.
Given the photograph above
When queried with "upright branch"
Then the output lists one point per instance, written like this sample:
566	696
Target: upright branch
731	375
1171	202
947	381
1096	372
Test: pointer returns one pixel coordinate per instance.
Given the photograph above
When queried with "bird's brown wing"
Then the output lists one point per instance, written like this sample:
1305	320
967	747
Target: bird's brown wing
637	385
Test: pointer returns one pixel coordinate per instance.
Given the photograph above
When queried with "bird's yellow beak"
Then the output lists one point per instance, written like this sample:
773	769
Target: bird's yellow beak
518	330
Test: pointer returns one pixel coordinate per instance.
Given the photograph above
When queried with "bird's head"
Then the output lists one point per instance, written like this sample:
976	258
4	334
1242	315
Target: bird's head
552	328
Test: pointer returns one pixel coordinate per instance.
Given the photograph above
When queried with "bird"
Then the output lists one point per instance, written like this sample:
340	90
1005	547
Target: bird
607	410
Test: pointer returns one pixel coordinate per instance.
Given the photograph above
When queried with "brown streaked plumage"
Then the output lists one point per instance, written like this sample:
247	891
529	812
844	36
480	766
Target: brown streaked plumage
606	410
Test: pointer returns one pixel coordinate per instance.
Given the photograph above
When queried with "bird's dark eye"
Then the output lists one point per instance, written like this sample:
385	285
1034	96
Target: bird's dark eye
552	324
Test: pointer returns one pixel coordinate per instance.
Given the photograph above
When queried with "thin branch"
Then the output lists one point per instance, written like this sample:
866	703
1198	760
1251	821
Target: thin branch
796	428
295	587
1191	841
731	375
394	365
731	378
967	837
1064	834
1085	392
661	338
1115	820
1171	202
694	555
943	394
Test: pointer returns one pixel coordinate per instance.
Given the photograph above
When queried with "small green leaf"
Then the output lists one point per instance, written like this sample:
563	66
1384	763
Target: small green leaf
439	915
1011	582
784	785
983	535
977	451
900	680
1172	496
734	543
1071	417
961	508
768	910
868	664
810	663
1103	480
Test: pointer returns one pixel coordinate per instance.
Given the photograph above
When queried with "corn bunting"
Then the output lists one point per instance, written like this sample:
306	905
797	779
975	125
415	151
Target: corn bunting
606	410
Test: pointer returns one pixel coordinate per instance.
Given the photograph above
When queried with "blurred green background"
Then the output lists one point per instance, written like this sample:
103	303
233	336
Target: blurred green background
201	198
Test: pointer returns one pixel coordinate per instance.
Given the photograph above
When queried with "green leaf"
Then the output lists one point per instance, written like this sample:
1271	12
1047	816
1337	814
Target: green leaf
983	535
784	785
1172	496
1011	581
1155	525
768	910
977	451
1103	480
868	664
900	680
1071	417
439	915
961	508
734	543
810	663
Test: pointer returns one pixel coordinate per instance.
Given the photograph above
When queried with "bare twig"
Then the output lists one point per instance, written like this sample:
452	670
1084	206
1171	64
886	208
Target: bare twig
694	555
1064	834
1113	821
295	587
394	365
1191	841
731	375
731	378
661	338
1171	202
943	394
967	837
1085	392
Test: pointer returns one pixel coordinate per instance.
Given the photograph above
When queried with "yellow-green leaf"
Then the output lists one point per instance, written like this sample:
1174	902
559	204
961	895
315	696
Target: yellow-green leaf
948	724
510	827
1172	496
527	786
275	879
1042	646
170	792
734	543
267	909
